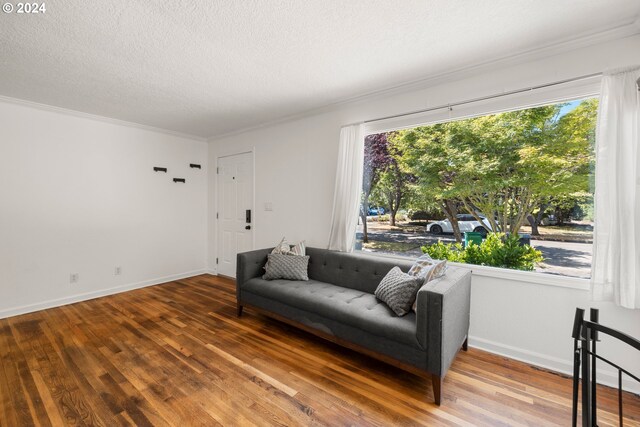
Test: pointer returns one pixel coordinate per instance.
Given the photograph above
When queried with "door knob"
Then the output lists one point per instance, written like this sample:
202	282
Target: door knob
248	227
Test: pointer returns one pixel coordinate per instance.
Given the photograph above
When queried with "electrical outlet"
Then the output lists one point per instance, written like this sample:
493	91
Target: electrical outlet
74	277
117	271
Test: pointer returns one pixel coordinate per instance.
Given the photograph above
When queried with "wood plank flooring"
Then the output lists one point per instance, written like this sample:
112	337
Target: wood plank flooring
176	354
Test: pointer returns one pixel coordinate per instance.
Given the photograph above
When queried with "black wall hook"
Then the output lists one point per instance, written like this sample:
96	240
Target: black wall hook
159	169
179	180
194	166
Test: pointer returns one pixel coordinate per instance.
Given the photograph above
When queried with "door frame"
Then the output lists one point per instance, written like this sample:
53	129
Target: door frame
253	199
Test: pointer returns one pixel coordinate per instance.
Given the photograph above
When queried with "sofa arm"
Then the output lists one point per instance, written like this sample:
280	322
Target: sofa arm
250	265
442	318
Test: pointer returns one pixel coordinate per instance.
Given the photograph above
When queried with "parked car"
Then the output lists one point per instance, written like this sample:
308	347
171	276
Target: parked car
466	223
550	220
376	211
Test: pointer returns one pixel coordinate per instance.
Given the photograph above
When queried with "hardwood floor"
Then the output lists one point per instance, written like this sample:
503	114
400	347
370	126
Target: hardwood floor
176	354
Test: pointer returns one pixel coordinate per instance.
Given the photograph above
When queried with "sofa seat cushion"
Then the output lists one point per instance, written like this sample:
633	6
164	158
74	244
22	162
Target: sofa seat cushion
350	306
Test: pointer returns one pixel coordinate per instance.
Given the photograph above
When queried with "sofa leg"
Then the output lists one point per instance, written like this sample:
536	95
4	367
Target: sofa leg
436	380
239	310
465	344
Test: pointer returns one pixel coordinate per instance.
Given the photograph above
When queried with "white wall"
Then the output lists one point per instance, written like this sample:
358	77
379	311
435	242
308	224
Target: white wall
79	195
295	170
532	322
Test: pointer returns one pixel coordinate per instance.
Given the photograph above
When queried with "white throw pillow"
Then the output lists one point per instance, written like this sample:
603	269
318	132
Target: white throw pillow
282	248
286	248
299	249
426	269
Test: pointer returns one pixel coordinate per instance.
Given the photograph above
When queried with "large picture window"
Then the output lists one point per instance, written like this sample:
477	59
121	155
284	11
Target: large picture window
511	190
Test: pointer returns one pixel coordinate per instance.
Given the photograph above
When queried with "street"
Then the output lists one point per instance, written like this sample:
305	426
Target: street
565	258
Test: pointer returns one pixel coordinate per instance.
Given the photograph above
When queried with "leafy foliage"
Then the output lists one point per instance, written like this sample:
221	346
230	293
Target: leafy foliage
383	179
425	215
497	250
429	156
505	166
450	251
376	160
395	187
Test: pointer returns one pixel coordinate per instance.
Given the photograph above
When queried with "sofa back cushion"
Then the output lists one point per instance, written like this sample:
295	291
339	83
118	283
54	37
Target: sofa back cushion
354	271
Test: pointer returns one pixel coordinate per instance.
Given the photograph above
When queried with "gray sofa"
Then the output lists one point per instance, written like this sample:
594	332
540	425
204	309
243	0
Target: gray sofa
337	303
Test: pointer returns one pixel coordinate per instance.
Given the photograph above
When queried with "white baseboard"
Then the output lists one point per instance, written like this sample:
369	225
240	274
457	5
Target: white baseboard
30	308
562	366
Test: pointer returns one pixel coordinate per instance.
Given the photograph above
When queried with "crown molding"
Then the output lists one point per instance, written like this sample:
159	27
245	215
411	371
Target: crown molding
104	119
622	30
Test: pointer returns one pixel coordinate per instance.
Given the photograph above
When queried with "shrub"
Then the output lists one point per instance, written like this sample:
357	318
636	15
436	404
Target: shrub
497	250
402	216
378	218
419	216
423	215
449	251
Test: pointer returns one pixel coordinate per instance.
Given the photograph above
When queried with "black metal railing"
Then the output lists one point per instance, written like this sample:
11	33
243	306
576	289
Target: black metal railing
585	337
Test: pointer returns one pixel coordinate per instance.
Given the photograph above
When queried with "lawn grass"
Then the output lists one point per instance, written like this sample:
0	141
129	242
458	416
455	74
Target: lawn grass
562	233
375	245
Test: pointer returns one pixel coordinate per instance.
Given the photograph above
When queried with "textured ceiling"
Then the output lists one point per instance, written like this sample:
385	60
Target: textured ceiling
210	67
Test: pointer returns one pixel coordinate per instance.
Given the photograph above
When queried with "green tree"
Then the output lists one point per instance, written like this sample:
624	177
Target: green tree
376	160
506	166
429	154
508	169
394	186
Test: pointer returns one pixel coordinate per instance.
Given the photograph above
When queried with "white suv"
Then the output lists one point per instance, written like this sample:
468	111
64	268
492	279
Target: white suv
466	222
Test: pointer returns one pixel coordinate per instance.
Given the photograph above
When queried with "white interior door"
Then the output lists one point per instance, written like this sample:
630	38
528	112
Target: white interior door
235	210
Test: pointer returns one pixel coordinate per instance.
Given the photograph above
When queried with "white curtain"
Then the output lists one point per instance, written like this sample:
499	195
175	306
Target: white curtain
346	199
615	271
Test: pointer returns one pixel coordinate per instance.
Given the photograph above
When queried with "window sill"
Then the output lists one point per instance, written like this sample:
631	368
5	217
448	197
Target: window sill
530	277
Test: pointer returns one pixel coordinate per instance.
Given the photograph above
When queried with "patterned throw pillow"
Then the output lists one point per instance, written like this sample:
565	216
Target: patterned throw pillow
426	269
282	247
299	249
289	267
398	290
285	248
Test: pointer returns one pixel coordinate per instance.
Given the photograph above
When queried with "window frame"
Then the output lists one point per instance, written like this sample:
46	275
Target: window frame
570	91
